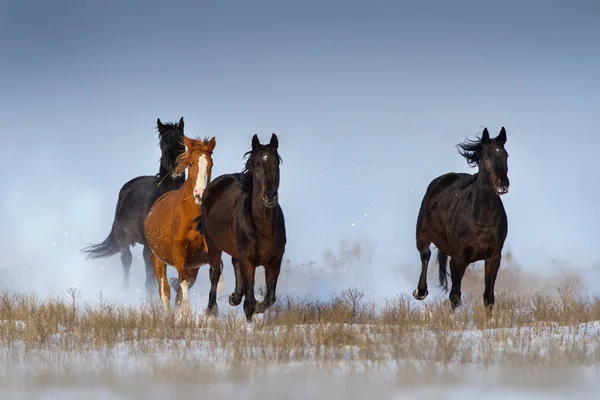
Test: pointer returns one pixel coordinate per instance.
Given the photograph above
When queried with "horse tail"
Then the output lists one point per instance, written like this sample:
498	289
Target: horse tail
443	275
102	250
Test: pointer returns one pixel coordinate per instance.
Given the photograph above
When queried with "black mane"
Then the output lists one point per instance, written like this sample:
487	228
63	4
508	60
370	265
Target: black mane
470	150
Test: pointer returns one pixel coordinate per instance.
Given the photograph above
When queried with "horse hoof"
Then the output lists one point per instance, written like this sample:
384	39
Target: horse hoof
234	300
212	311
417	296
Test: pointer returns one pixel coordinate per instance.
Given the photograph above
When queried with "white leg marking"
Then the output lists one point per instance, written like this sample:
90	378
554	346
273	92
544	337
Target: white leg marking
163	295
185	286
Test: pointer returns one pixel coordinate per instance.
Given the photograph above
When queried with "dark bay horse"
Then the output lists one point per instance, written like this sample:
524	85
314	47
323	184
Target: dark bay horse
135	199
241	216
463	215
170	226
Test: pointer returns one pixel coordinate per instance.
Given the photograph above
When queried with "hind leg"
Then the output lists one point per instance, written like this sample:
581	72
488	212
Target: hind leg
151	282
443	265
164	290
236	297
126	259
423	243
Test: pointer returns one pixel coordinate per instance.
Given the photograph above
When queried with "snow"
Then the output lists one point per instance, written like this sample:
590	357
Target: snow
120	372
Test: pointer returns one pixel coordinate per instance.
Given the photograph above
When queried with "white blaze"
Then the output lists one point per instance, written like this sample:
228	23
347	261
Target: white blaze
202	178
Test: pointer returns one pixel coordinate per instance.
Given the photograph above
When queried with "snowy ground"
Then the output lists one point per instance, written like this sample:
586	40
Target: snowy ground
183	370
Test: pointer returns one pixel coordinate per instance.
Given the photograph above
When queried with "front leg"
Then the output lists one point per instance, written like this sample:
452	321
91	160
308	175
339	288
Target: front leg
492	265
178	253
248	270
272	270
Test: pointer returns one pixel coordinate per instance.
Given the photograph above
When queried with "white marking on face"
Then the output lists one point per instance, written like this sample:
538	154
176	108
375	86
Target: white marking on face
202	178
497	150
265	157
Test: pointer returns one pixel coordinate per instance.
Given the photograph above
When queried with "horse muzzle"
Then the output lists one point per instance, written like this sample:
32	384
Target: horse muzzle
501	185
270	198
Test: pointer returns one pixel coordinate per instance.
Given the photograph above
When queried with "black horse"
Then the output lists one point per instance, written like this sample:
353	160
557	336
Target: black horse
463	215
135	199
241	215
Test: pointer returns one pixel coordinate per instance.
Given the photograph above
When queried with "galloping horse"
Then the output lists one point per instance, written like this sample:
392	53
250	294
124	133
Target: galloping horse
241	216
135	199
171	228
463	215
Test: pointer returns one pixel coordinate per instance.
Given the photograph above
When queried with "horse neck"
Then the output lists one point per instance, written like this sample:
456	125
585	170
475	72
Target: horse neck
484	178
261	214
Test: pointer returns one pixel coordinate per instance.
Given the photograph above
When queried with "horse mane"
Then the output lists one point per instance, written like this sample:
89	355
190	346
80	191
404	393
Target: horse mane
184	159
247	170
470	150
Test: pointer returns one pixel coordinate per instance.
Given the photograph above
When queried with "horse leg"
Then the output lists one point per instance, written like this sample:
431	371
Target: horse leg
457	271
126	259
216	268
492	265
248	270
151	282
420	293
236	297
443	266
184	275
271	275
164	290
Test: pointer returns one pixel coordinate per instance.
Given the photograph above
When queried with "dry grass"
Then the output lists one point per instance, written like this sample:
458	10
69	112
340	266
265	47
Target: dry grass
536	329
60	341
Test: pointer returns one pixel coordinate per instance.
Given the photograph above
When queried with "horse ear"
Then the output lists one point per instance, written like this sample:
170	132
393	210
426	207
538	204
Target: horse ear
212	143
188	142
274	141
485	136
180	124
255	142
159	125
502	136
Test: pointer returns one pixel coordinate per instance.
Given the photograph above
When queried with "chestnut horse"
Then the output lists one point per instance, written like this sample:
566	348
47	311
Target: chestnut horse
241	215
463	215
170	228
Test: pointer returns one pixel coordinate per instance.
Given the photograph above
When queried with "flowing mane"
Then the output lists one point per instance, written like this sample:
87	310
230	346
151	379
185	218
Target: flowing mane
197	144
470	150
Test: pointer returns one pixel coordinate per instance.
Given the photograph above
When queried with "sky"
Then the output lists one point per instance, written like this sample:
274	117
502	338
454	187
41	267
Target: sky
368	100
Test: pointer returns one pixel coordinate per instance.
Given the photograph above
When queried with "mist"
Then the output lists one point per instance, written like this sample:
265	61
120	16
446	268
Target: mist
368	102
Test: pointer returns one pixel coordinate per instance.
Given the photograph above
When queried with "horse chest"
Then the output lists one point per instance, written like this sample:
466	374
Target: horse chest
263	249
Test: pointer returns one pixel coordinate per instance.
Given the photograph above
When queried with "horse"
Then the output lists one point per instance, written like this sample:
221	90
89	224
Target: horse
170	226
241	216
134	201
463	215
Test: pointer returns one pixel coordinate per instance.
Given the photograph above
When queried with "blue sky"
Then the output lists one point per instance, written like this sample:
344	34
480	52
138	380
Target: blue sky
368	100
